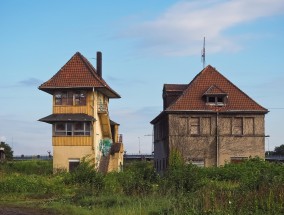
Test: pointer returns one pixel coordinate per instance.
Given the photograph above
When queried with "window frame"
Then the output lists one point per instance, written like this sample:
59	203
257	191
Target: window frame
235	126
194	125
70	98
210	98
69	129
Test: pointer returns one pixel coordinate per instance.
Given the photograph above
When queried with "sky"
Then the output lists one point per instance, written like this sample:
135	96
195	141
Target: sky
144	44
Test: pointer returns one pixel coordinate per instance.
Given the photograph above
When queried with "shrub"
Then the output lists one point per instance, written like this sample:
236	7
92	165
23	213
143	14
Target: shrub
86	175
182	178
139	178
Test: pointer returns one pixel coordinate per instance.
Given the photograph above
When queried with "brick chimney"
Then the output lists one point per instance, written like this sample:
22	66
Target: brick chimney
99	64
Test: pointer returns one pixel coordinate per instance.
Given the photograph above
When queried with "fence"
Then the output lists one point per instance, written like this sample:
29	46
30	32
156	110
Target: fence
32	157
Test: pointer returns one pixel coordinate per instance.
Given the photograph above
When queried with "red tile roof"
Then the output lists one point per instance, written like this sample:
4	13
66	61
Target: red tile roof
209	79
78	72
175	87
214	90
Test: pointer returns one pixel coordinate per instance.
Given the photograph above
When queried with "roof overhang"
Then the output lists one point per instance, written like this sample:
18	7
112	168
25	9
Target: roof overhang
78	117
103	90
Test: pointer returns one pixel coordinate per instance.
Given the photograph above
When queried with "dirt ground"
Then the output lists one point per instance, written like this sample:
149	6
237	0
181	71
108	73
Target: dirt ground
7	210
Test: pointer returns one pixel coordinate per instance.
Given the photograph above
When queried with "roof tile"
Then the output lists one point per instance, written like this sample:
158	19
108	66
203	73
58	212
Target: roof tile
78	72
192	97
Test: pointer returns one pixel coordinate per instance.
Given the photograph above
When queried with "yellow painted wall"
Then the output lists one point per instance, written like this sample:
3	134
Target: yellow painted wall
76	147
62	154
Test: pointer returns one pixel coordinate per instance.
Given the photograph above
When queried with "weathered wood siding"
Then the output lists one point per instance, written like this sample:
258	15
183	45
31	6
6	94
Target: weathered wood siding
87	109
72	141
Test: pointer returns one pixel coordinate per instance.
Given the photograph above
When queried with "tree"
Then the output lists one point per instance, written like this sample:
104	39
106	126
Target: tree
8	150
279	150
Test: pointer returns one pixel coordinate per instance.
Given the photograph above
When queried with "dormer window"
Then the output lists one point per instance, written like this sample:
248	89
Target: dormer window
215	96
215	100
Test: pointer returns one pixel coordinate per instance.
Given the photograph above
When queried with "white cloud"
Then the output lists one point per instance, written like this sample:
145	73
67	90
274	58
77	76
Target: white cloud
2	139
180	29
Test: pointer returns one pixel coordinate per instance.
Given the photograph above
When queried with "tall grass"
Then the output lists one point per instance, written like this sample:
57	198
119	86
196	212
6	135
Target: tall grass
253	187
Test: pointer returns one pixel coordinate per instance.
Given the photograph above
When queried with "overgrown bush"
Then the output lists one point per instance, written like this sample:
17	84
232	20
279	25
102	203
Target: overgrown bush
139	178
182	179
86	175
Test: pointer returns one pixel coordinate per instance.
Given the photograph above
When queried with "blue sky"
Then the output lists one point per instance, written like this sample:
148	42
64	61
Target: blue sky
145	44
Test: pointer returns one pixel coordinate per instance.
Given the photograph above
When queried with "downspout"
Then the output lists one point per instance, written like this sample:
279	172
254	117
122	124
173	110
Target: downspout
94	133
217	137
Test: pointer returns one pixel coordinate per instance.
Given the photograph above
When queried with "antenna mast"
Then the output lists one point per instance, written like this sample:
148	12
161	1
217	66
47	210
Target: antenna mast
203	53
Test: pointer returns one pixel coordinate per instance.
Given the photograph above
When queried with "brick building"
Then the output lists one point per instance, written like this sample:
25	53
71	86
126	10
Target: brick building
209	122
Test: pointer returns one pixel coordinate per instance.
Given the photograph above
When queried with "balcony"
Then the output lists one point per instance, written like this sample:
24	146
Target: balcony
120	138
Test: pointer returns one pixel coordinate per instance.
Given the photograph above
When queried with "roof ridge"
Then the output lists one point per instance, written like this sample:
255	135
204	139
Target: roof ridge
239	89
59	70
91	68
196	78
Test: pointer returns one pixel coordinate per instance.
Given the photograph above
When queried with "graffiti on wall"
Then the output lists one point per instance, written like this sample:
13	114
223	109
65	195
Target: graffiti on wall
105	145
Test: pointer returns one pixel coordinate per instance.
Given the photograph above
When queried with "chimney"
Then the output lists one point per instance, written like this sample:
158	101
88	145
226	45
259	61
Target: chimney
99	64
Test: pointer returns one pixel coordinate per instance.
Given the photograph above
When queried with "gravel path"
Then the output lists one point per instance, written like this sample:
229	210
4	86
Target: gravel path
21	211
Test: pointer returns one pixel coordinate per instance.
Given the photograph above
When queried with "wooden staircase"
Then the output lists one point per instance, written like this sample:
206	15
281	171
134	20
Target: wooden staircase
104	119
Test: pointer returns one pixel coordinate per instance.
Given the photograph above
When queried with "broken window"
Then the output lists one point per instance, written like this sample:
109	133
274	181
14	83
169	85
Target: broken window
70	98
80	98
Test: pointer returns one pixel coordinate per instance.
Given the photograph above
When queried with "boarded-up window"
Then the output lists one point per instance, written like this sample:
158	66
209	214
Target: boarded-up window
238	126
225	126
249	125
194	126
206	125
183	125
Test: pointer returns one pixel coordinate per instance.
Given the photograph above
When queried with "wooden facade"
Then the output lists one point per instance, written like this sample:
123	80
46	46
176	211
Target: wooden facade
81	126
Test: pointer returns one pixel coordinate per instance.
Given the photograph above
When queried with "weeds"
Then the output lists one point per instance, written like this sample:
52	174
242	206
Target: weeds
253	187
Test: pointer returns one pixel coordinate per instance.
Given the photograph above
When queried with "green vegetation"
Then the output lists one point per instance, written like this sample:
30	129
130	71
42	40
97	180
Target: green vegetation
8	150
278	151
252	187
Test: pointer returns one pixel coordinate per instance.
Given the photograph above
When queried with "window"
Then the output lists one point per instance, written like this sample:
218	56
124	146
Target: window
72	129
63	129
238	126
80	98
215	100
73	164
70	98
194	126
